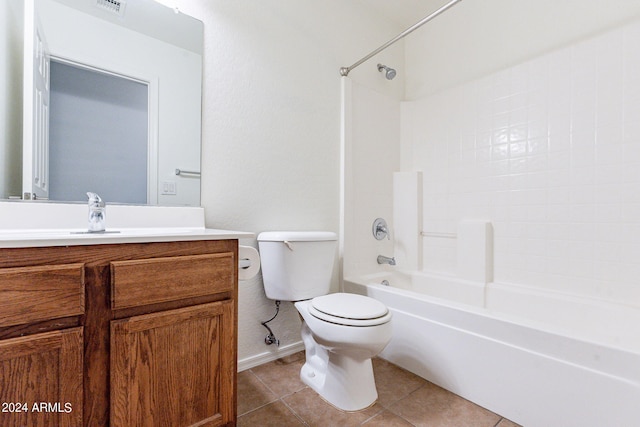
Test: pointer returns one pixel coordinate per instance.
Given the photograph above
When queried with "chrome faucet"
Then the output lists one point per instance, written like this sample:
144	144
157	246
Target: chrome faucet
380	230
386	260
96	213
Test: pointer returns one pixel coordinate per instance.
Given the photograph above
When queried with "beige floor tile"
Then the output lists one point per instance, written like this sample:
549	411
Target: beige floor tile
252	393
273	395
433	406
387	419
317	413
393	383
275	414
282	376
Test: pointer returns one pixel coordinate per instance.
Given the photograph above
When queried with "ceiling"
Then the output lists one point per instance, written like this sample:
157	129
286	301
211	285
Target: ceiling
404	13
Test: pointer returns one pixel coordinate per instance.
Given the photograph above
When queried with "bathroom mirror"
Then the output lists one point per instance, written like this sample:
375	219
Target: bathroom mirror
109	101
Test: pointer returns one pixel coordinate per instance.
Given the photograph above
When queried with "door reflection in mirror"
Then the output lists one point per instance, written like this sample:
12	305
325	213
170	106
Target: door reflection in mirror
98	135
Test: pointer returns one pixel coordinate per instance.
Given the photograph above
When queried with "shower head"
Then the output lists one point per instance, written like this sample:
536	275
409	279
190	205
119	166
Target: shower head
389	73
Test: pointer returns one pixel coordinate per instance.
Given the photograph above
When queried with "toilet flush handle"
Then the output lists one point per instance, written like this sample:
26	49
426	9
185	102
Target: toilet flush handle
289	245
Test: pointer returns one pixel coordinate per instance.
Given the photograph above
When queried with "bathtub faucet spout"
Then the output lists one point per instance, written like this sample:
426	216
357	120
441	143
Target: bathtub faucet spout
386	260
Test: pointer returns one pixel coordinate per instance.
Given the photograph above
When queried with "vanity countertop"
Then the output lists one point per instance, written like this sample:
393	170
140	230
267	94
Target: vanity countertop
73	237
33	224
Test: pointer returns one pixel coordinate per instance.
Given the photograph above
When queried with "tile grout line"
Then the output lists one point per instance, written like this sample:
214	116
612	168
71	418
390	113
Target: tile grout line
391	412
402	398
264	383
278	398
295	414
374	415
266	403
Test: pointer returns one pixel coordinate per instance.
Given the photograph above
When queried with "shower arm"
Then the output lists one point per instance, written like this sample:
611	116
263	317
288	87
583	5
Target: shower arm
344	71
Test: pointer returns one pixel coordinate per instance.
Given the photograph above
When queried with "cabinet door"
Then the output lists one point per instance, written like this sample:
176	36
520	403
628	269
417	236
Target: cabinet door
174	368
41	379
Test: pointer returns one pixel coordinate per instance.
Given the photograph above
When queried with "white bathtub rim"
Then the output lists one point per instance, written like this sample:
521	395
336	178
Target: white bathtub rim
611	362
382	275
597	326
529	324
618	376
631	345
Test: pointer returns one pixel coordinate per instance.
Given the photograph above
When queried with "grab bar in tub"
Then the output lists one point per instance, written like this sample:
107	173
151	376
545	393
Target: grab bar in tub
438	234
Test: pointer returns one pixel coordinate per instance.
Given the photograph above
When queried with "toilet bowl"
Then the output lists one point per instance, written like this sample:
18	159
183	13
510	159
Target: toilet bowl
339	349
341	332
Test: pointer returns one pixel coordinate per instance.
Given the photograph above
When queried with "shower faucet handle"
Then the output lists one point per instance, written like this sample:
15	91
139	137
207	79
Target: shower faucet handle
380	230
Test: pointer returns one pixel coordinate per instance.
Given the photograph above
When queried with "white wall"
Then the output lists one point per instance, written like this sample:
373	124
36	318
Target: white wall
271	125
548	149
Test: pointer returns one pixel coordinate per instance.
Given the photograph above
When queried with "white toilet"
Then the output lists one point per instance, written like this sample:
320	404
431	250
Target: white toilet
341	332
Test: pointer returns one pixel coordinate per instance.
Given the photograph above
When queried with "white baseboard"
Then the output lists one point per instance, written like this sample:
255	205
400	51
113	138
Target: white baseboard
269	356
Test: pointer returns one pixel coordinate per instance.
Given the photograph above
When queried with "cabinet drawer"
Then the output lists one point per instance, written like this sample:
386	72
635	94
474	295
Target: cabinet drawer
149	281
31	294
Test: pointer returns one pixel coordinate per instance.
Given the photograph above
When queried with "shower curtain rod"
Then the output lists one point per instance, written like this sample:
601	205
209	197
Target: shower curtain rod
344	71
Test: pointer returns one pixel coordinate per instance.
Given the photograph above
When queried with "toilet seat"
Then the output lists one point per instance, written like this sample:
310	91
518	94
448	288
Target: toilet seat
349	310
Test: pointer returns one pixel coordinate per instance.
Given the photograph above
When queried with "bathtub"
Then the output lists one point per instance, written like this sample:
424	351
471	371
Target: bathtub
537	358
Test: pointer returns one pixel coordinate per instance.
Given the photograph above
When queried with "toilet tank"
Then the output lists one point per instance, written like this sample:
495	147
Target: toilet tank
297	265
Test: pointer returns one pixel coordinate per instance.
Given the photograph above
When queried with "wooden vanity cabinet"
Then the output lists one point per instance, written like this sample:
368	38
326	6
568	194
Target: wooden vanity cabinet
146	338
41	344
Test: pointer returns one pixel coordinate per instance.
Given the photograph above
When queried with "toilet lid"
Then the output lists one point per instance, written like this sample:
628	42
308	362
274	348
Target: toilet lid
349	309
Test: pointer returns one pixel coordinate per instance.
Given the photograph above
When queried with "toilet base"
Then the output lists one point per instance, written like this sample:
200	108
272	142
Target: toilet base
345	381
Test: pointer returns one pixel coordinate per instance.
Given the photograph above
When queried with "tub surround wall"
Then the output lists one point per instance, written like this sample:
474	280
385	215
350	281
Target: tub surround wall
474	248
407	219
547	150
371	123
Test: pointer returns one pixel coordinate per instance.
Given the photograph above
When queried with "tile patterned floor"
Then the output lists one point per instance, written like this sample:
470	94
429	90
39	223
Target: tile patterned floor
273	395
